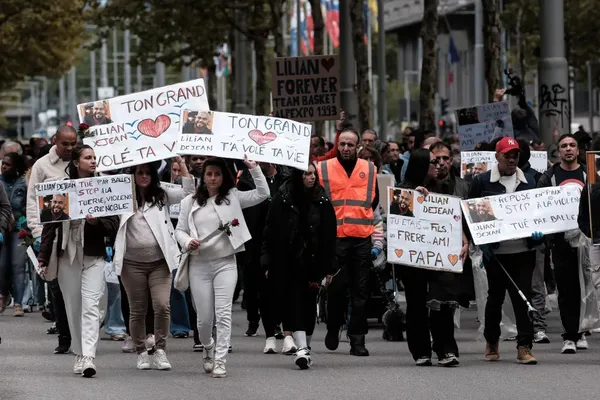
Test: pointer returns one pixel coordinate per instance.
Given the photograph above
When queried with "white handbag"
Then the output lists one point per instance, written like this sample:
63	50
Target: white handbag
182	277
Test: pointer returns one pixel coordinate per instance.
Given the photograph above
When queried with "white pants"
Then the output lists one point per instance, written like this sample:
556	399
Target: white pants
212	284
82	284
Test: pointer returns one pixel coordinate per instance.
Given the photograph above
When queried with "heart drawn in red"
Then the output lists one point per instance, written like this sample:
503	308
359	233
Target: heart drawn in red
261	138
154	128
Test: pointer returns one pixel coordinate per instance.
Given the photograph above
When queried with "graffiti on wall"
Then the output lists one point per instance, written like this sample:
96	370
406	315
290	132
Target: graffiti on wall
554	104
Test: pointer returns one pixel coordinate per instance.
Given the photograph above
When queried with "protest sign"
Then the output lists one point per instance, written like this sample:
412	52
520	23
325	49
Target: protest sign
539	161
306	88
77	198
424	231
474	163
518	215
383	182
483	123
141	127
593	184
268	139
173	208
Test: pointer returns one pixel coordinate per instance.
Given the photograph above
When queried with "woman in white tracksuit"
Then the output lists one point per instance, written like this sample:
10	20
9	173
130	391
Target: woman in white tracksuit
211	230
74	251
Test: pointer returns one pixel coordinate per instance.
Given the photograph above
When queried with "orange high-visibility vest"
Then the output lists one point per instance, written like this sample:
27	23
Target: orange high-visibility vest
351	197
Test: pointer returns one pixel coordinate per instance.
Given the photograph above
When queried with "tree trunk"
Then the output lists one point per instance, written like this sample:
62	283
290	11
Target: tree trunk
429	33
277	30
263	106
492	46
319	32
362	64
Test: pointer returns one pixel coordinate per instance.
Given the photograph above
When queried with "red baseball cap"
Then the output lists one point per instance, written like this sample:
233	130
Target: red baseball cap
507	144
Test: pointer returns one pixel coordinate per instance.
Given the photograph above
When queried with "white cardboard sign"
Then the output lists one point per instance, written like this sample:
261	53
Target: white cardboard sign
267	139
424	232
77	198
518	215
483	123
141	127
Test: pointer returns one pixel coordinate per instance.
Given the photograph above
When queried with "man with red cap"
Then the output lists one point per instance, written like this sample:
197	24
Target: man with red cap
516	256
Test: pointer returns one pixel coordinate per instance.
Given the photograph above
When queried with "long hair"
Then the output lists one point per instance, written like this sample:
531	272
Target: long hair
417	169
228	183
154	194
18	162
375	156
72	170
301	197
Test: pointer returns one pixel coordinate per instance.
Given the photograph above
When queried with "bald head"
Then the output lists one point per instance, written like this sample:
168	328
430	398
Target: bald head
430	141
65	140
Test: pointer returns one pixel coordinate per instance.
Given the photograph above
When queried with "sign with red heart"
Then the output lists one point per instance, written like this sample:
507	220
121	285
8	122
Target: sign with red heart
261	138
154	128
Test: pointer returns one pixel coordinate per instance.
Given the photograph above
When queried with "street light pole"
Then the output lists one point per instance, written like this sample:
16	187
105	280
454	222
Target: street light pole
348	71
553	73
381	103
479	56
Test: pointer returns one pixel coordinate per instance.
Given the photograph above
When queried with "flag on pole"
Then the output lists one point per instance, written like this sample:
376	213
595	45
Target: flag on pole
332	20
367	17
304	29
453	58
310	27
294	51
375	13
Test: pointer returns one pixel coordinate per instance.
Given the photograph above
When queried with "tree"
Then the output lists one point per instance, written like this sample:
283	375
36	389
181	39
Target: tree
492	46
38	38
521	20
319	34
362	64
429	33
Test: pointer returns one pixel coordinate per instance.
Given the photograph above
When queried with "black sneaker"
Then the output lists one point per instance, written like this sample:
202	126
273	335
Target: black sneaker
198	347
230	349
252	329
53	330
63	349
278	333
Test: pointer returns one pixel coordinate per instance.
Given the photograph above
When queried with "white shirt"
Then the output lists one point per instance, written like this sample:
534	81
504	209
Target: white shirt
207	221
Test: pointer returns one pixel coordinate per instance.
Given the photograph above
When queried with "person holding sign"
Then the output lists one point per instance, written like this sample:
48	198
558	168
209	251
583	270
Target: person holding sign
564	256
351	185
145	255
211	230
517	257
298	243
75	250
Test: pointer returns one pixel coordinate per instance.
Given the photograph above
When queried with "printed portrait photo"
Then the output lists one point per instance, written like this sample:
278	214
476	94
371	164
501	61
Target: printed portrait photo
471	170
402	203
480	210
54	208
468	116
96	113
198	122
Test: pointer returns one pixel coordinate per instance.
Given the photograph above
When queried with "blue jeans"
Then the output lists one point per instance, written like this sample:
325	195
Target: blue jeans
12	264
180	319
113	322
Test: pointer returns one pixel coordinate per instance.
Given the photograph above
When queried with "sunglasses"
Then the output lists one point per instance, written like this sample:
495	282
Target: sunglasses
435	161
445	158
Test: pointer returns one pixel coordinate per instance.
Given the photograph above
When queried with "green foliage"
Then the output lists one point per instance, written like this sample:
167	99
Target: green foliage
582	23
38	38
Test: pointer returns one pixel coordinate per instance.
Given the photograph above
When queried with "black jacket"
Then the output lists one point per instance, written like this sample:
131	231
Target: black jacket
255	216
585	224
285	251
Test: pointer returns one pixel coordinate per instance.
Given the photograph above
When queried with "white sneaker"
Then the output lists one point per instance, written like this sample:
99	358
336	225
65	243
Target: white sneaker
150	342
569	347
220	371
89	369
289	347
143	361
302	358
208	361
78	367
128	346
270	346
159	360
596	330
541	337
582	343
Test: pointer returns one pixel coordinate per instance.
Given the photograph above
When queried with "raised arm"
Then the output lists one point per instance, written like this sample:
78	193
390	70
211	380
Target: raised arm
251	198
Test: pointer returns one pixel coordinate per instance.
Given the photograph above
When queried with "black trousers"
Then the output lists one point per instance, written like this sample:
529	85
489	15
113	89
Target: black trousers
60	313
566	269
259	292
420	320
354	261
520	267
298	308
125	310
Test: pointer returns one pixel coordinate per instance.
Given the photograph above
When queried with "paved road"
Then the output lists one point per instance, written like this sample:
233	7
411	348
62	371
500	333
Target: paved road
29	370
